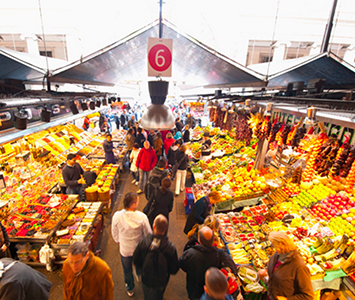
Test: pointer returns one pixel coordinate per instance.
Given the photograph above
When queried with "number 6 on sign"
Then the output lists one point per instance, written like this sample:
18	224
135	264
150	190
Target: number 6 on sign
159	57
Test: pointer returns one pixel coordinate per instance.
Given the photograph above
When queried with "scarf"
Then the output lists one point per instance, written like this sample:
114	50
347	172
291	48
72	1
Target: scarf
285	257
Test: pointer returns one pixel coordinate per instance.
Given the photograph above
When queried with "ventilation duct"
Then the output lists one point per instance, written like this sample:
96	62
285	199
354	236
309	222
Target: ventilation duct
158	116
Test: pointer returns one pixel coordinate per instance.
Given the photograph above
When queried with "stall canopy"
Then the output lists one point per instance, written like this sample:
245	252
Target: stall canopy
25	67
194	63
336	72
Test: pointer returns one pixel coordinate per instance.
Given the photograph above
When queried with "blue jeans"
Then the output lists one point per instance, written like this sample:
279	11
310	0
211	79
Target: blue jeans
143	177
153	293
127	271
127	263
77	190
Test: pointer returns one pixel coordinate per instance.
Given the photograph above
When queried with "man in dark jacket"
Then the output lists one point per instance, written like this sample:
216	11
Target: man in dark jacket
156	240
140	139
198	259
206	146
22	282
186	135
72	176
123	119
155	178
178	124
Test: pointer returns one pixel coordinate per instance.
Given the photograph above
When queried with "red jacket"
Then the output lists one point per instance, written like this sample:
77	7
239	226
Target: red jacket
167	145
147	159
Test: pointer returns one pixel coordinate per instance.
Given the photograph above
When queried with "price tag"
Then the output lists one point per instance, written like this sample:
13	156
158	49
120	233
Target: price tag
159	57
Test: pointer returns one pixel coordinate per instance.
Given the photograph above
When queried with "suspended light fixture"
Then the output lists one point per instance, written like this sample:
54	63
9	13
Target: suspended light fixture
104	102
158	116
46	114
92	105
98	103
84	105
21	118
73	108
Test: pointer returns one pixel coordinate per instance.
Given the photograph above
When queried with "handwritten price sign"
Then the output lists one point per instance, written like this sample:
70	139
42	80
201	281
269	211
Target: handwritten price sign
159	57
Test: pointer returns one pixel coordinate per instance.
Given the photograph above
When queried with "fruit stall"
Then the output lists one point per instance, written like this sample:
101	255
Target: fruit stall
304	187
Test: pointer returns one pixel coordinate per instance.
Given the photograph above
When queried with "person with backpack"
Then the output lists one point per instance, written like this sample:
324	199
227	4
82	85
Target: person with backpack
181	163
163	199
198	259
155	178
157	258
171	156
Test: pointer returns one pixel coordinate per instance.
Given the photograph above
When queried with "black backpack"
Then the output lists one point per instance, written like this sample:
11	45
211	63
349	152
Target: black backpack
152	184
155	272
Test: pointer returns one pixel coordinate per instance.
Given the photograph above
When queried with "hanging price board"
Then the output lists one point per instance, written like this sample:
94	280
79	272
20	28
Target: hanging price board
159	57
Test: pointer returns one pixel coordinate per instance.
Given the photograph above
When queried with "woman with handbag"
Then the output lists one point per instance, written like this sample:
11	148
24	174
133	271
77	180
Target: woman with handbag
181	163
162	202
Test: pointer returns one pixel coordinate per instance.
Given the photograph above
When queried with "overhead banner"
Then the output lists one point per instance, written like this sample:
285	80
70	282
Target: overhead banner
160	57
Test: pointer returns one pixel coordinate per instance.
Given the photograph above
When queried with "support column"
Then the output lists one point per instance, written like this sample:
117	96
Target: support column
279	51
349	55
32	44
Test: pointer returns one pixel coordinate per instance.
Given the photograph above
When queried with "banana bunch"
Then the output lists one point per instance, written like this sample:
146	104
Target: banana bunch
325	246
240	256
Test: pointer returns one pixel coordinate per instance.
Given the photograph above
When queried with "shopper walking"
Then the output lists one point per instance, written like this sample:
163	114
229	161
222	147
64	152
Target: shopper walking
117	121
171	156
146	161
72	176
131	122
151	137
108	148
216	286
133	161
129	227
130	139
186	135
288	275
178	124
157	144
86	276
155	178
140	138
123	119
198	259
182	161
168	142
163	201
157	257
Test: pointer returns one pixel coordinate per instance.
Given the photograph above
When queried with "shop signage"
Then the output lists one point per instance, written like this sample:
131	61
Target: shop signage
159	57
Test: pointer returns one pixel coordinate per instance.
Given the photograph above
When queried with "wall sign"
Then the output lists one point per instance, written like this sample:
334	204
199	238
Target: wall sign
159	57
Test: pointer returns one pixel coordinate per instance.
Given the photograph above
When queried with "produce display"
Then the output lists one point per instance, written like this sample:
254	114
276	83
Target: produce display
37	218
77	224
313	201
104	179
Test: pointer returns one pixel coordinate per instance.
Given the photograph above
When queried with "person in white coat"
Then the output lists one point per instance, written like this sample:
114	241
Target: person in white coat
128	228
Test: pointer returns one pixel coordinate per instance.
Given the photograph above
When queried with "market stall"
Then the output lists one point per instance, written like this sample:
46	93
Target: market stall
298	178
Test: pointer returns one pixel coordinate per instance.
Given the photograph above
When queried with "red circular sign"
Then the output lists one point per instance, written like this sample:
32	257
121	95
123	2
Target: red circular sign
159	57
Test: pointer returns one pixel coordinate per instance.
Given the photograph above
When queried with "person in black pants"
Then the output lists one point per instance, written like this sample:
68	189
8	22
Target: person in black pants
72	176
